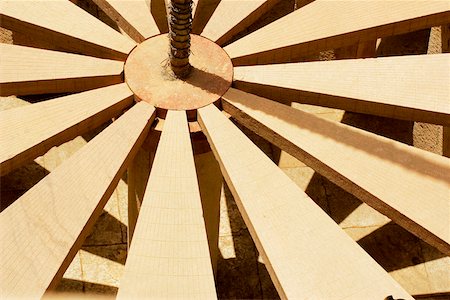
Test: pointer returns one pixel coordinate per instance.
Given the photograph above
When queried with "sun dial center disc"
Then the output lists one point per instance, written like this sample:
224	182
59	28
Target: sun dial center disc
147	73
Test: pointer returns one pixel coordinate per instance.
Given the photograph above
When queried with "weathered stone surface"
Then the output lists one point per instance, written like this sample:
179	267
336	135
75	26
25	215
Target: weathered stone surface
69	286
238	277
102	267
107	230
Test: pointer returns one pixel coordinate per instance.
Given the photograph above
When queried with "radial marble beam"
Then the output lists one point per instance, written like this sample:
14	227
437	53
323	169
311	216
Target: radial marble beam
133	16
61	25
43	230
409	87
28	71
409	185
30	131
307	255
169	254
325	24
231	17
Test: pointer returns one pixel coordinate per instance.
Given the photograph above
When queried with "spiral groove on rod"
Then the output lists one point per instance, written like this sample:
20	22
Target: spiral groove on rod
180	23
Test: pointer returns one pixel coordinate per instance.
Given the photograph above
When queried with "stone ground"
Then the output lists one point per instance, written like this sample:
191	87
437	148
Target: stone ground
419	268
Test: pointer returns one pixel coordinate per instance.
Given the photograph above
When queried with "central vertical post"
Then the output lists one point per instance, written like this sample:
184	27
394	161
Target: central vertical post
180	23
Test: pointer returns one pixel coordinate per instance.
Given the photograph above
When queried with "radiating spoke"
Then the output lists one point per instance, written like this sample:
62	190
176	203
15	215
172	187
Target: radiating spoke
43	229
298	241
231	17
202	12
409	87
35	71
325	24
409	185
159	9
133	16
61	25
194	7
30	131
169	254
301	3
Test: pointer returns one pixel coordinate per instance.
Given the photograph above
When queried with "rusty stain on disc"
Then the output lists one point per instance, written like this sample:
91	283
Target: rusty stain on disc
148	75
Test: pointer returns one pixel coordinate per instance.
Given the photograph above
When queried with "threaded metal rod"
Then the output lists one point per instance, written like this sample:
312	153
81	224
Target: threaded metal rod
180	23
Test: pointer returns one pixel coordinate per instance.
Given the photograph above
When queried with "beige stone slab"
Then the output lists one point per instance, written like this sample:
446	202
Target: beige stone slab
133	16
11	102
169	254
328	24
103	265
74	271
434	40
364	216
408	185
64	24
36	71
363	221
409	87
428	278
57	155
302	177
231	17
43	229
438	270
297	240
30	131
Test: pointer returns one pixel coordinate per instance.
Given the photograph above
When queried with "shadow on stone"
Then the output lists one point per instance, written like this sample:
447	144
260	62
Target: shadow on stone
399	130
405	44
44	97
335	201
242	277
435	296
394	248
207	81
72	287
93	9
112	252
159	12
210	181
14	184
107	231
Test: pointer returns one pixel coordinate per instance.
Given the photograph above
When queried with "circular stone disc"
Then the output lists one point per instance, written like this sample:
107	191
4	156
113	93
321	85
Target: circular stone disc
147	73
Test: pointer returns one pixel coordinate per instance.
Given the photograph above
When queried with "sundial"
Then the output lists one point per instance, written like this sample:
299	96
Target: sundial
204	83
